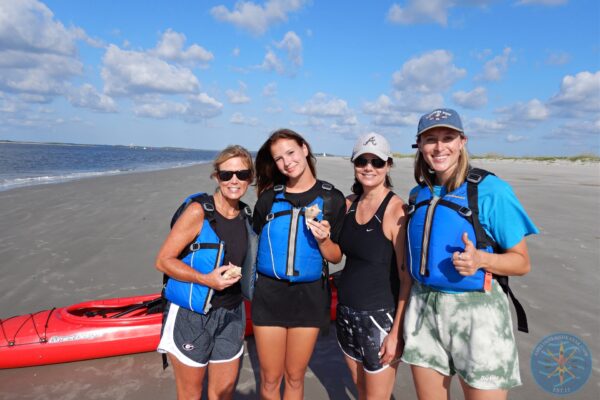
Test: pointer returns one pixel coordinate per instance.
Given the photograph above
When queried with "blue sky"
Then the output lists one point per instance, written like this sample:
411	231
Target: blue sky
524	74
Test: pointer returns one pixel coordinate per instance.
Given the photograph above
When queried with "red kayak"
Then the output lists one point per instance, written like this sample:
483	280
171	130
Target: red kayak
92	329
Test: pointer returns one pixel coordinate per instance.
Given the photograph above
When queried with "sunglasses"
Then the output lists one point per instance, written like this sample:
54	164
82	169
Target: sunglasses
242	175
362	162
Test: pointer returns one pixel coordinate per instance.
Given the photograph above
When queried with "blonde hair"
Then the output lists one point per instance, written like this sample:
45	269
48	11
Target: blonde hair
230	152
424	175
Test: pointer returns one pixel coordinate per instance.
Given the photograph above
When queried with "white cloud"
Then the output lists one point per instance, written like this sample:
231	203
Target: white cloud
274	110
322	105
270	89
159	110
533	110
238	96
203	106
419	11
579	95
256	18
239	119
382	106
432	72
476	98
293	45
496	67
170	47
542	2
584	134
388	113
514	138
38	55
481	127
272	63
132	72
198	107
87	96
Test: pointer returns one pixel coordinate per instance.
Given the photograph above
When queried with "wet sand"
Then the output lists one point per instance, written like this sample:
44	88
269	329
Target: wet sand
97	238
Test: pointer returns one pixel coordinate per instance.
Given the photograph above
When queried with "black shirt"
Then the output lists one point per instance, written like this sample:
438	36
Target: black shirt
233	233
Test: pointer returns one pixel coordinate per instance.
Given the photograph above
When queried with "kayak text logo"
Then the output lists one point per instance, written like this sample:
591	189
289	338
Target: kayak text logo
561	364
72	338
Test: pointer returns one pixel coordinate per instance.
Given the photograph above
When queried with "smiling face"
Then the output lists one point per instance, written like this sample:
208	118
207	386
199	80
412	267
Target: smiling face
290	158
441	148
234	188
368	175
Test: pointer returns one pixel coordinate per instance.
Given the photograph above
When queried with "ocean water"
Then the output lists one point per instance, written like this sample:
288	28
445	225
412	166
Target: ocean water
26	164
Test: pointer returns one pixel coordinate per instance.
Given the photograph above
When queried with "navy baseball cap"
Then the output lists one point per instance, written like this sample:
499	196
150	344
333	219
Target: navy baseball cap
441	117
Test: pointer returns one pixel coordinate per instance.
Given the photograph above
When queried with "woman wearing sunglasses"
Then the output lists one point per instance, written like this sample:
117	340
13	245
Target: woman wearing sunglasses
291	296
203	327
374	285
466	234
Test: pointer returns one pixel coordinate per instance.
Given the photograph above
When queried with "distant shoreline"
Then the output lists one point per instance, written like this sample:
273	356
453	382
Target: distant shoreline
585	158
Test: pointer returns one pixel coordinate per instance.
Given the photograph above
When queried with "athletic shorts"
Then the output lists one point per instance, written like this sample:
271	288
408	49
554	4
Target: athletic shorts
467	333
196	339
361	333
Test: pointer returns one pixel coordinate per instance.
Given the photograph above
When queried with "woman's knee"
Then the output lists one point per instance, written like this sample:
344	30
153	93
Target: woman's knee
270	382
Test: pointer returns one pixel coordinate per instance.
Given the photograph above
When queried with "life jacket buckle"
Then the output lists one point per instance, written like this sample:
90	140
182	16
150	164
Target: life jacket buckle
208	207
465	212
194	246
474	177
270	217
411	209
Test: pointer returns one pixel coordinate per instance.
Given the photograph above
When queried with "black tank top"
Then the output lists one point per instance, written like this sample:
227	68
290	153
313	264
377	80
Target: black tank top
233	233
369	280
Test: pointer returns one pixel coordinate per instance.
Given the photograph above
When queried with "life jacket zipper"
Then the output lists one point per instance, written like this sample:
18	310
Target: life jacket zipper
289	270
426	233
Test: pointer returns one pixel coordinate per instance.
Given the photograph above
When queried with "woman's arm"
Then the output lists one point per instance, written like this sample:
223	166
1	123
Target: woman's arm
513	262
394	224
182	234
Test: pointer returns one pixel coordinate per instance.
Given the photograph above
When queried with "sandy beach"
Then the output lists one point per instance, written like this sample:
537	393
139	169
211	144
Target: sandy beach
97	238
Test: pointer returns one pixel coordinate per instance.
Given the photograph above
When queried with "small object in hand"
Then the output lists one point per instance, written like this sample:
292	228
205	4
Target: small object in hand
311	213
232	273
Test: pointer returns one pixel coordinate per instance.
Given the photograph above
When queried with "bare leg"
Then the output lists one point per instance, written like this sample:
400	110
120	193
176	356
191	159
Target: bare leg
299	347
188	379
478	394
380	385
271	346
430	384
358	376
221	379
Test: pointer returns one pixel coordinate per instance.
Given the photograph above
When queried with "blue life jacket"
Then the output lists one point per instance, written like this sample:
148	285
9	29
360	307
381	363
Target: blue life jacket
434	233
287	250
205	254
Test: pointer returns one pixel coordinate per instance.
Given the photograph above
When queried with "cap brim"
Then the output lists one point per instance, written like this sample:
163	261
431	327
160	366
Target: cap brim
440	126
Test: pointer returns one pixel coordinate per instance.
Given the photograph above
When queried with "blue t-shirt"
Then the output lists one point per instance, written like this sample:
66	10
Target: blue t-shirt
500	212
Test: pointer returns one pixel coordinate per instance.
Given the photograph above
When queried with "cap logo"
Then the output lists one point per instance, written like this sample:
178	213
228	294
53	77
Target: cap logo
438	115
370	140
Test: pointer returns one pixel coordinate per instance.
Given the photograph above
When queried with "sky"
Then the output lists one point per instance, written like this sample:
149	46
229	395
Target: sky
523	74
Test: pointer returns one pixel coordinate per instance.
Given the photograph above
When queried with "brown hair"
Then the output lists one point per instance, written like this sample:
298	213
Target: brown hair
230	152
267	173
358	189
424	175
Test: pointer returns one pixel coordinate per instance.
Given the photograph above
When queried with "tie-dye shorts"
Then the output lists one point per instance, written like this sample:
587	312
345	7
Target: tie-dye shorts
466	333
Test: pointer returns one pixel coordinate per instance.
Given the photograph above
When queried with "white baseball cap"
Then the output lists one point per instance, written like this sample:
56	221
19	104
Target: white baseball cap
372	143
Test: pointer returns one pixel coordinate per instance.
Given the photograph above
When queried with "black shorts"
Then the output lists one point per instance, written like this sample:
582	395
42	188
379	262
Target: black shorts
361	333
197	339
282	303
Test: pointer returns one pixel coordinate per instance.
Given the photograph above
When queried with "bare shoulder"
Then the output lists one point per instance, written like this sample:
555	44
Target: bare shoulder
350	199
192	215
397	206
